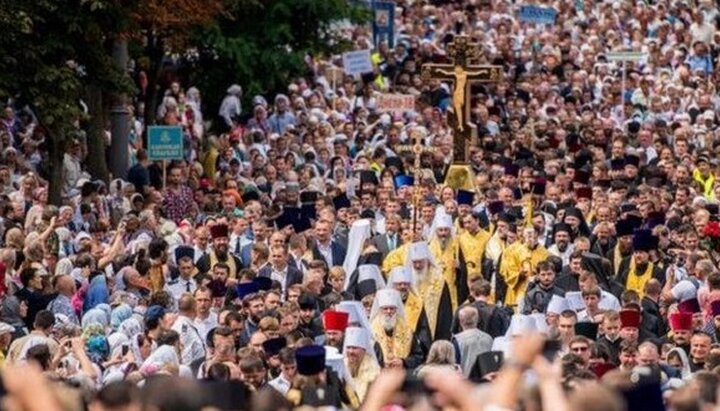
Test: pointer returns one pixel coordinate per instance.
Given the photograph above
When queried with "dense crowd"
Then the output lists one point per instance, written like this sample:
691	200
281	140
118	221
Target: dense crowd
300	254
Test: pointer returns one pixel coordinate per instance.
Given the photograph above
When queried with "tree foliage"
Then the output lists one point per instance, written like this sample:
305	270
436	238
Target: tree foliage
262	44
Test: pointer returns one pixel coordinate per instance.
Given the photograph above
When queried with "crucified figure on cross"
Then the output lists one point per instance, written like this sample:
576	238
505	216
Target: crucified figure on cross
460	76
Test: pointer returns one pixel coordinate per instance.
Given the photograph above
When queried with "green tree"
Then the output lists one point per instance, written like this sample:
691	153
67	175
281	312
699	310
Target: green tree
262	44
51	51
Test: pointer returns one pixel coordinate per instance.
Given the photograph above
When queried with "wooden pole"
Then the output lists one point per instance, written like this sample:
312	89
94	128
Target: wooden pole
164	173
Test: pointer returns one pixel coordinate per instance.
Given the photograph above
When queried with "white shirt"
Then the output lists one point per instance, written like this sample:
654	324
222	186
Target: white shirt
204	325
180	286
564	256
326	252
279	276
608	302
193	344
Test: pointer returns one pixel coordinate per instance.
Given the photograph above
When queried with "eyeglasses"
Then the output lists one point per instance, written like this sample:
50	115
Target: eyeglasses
579	349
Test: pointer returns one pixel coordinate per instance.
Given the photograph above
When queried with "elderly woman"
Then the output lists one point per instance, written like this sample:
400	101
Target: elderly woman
441	356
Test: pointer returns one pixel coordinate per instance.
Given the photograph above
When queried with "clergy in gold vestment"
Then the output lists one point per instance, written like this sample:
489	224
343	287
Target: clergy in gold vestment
518	264
432	288
473	241
360	360
401	280
445	248
396	345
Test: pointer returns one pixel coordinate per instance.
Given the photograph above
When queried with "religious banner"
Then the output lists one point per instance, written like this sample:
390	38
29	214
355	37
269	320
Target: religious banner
396	103
383	22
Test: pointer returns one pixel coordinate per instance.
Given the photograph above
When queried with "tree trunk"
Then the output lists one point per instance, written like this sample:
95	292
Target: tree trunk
120	117
155	54
56	152
96	159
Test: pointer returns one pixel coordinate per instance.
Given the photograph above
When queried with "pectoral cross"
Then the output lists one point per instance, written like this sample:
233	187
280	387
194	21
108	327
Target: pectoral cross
462	73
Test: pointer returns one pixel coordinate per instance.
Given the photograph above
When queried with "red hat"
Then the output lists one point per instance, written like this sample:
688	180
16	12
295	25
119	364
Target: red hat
691	306
584	192
630	318
335	320
218	231
681	321
602	368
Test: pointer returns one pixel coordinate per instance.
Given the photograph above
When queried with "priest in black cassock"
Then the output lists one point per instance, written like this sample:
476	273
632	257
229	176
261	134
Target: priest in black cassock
639	267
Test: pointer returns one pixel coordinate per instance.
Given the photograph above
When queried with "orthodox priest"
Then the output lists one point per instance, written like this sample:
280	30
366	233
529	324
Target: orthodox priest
360	360
445	248
219	253
432	289
518	263
620	255
640	269
472	245
401	280
396	345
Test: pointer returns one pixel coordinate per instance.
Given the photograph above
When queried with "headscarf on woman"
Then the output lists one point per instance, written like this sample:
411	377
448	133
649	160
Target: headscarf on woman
119	314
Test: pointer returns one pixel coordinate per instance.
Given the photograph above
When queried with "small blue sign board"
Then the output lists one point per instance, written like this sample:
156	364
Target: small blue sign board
538	15
165	143
357	62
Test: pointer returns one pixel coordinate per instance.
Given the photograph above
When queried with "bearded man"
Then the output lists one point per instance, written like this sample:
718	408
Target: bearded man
432	288
219	253
395	344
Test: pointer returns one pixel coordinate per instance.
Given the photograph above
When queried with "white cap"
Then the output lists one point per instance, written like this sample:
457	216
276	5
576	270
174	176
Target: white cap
356	312
357	337
400	275
521	324
388	297
419	251
371	272
443	221
557	305
540	323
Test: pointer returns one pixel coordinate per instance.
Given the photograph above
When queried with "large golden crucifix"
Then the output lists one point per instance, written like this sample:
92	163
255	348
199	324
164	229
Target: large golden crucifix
463	73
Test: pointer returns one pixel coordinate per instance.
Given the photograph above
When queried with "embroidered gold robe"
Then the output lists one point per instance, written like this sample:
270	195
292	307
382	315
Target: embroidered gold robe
516	257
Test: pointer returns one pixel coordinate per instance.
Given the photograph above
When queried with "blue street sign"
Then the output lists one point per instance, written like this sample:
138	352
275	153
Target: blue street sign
165	143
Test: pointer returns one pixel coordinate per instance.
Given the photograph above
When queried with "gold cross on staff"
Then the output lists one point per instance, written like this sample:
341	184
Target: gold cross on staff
462	72
417	148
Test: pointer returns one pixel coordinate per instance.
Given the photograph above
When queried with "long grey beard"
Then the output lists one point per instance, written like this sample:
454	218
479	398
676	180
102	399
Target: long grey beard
389	323
420	275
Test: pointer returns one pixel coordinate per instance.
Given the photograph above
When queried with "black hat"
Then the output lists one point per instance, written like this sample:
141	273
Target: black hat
561	227
587	329
617	164
310	360
644	240
538	187
309	196
307	302
632	160
512	170
294	217
245	289
365	288
368	176
644	396
263	283
624	227
273	346
574	212
250	195
308	212
486	363
367	213
496	207
341	201
582	176
395	162
654	219
465	197
184	251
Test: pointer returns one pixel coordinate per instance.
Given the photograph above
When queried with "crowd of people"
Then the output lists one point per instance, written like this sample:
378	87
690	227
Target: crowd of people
301	255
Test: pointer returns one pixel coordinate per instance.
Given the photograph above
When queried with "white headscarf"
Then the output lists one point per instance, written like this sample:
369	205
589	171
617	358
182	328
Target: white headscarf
359	233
